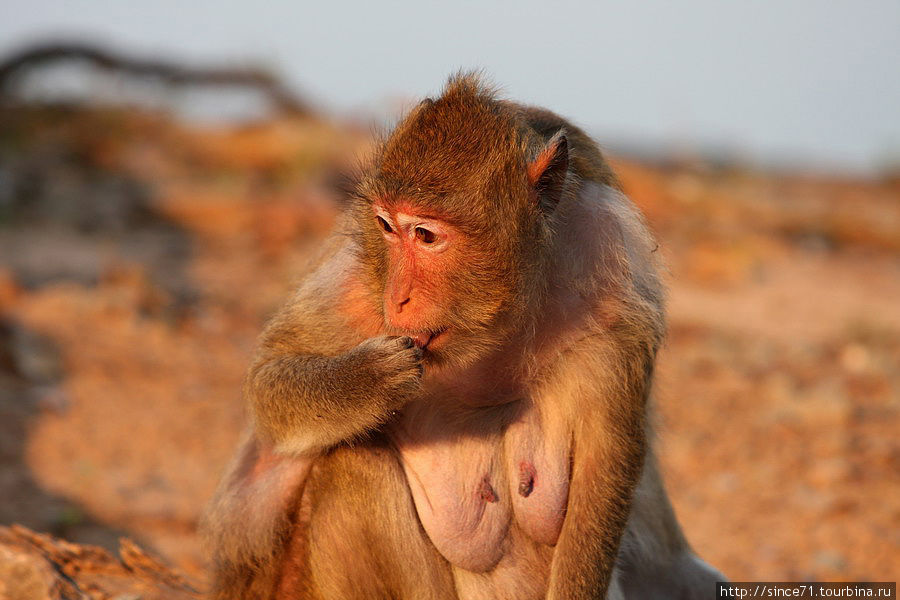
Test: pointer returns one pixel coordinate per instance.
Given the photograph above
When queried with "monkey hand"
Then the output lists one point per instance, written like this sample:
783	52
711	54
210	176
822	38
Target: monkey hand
391	367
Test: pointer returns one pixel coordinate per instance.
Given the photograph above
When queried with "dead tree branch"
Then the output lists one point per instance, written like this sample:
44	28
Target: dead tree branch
170	73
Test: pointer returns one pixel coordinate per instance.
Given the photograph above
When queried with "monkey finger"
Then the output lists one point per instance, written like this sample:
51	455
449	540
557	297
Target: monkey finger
407	341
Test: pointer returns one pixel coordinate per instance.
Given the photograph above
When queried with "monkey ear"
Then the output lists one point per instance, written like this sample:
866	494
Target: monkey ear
547	172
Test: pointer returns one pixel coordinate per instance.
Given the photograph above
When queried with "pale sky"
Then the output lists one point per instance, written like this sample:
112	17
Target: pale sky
815	82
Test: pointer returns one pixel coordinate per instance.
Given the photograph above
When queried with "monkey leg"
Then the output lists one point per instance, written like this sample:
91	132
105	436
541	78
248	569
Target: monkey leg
363	537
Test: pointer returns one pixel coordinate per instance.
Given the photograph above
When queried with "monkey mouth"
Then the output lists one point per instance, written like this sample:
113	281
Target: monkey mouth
424	339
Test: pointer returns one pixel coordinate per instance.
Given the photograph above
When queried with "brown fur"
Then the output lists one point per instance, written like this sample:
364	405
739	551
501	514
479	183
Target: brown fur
554	314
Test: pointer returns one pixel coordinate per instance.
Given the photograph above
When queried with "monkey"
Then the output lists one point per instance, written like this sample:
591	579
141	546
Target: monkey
455	401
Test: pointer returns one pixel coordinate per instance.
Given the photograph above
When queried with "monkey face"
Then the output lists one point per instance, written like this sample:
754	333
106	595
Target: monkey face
452	224
436	285
417	248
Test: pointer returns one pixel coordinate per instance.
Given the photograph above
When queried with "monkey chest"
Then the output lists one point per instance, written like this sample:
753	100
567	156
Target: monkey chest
485	484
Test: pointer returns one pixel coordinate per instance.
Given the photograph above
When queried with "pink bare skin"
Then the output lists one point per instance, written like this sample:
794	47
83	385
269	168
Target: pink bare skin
418	246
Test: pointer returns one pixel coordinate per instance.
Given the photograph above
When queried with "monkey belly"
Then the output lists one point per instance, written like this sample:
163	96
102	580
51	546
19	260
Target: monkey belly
470	485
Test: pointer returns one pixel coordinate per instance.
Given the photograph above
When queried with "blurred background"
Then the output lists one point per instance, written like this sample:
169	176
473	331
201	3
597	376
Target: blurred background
165	168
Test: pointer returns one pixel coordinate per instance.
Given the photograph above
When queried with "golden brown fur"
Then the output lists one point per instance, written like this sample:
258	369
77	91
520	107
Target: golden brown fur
371	455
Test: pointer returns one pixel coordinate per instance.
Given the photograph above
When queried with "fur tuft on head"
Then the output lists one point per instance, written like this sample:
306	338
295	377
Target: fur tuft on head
459	153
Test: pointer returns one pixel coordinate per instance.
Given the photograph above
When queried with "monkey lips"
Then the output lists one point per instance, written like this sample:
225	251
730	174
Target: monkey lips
423	339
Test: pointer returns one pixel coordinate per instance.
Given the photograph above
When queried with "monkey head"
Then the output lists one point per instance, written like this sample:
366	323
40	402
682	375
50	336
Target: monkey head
454	221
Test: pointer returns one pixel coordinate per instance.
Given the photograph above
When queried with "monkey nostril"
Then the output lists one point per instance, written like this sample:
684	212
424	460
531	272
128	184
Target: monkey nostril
394	304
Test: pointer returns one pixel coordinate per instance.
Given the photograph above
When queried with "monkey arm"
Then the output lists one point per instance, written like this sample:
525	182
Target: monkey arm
603	384
302	402
316	381
248	519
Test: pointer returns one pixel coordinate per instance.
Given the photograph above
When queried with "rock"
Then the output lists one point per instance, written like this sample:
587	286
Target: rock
36	566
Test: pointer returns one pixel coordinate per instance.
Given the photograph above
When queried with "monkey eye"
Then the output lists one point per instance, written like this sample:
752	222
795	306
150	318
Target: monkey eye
425	236
384	224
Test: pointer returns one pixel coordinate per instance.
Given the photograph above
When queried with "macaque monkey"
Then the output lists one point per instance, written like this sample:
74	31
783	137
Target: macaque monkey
454	403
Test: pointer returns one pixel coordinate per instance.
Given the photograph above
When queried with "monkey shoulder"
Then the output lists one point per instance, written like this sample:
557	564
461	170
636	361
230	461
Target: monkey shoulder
604	251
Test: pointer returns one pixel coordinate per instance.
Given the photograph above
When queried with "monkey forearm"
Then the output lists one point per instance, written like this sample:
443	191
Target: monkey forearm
607	459
603	481
303	402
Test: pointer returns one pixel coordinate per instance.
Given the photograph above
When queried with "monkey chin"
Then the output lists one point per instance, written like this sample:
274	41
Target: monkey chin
454	352
445	351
